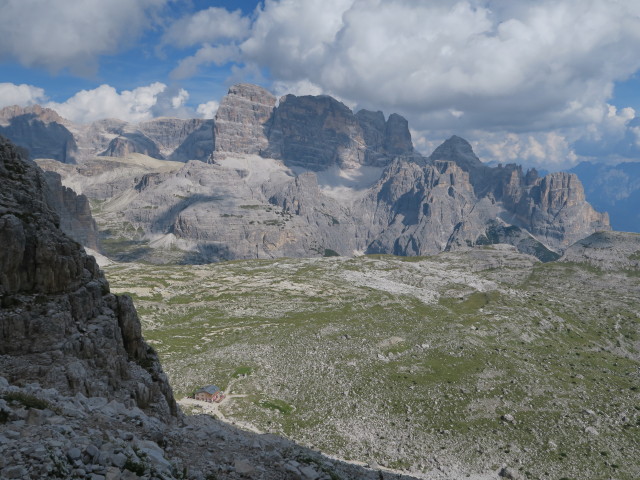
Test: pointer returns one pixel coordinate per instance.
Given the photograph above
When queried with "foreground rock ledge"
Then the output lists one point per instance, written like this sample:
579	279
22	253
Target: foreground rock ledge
59	324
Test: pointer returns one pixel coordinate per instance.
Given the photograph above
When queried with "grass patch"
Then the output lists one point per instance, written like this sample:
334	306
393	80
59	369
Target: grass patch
279	405
242	371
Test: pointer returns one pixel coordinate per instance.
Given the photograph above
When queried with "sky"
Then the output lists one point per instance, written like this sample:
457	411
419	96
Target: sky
545	83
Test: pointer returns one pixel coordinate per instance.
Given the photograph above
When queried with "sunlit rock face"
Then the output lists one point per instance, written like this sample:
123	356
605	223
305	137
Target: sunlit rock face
240	122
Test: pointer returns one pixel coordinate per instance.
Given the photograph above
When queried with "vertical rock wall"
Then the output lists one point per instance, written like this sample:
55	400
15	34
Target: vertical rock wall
59	325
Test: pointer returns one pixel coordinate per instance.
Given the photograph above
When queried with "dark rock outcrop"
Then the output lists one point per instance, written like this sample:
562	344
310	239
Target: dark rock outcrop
458	150
74	212
59	325
317	132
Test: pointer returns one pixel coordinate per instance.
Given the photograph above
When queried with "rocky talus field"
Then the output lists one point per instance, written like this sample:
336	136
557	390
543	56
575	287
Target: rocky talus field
472	362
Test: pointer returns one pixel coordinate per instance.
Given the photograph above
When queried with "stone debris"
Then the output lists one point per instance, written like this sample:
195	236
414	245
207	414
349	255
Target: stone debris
114	441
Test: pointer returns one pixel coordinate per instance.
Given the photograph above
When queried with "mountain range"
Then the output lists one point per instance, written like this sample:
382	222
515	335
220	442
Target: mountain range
296	176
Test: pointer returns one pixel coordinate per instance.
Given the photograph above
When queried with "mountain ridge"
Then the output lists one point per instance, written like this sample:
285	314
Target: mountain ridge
372	192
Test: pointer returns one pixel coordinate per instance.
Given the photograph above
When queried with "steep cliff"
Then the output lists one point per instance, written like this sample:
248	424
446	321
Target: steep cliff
240	123
74	212
59	324
317	132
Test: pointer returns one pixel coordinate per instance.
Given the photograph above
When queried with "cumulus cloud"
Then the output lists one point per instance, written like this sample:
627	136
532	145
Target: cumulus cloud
57	34
518	65
22	95
614	138
179	100
206	55
208	110
106	102
208	26
552	150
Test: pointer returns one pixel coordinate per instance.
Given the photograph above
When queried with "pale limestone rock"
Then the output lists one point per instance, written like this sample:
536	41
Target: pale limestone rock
240	121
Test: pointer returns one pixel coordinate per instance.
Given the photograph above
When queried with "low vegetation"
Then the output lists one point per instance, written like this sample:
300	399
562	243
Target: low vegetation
450	362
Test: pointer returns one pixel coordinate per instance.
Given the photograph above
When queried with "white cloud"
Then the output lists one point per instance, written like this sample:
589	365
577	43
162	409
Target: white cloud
57	34
207	26
517	65
208	110
22	95
206	55
612	138
105	102
302	87
180	99
551	150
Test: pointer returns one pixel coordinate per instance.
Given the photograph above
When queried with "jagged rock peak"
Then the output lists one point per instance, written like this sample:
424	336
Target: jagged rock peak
253	93
397	136
239	125
556	211
457	149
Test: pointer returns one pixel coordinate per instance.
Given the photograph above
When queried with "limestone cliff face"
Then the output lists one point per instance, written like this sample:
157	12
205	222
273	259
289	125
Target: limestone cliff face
424	210
169	133
555	210
59	325
74	212
241	118
552	208
129	143
44	134
317	132
197	145
313	132
41	131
